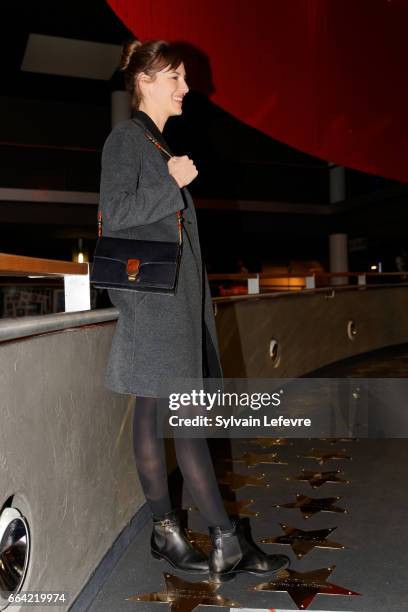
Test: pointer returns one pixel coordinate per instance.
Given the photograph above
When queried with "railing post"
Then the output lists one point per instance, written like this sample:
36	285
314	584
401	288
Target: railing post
338	258
77	292
311	282
361	280
253	285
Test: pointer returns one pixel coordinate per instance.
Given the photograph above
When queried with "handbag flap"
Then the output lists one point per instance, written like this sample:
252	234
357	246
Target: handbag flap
147	251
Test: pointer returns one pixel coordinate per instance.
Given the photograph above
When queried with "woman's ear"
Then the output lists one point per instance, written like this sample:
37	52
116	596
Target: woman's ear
139	82
142	80
142	77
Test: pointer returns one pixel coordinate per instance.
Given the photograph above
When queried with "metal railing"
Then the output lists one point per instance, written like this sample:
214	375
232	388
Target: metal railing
264	282
77	286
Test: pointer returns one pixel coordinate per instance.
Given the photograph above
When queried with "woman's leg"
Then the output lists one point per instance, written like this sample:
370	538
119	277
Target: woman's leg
168	540
150	456
194	459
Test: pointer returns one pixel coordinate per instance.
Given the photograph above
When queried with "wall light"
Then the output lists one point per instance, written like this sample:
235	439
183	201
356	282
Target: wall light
79	254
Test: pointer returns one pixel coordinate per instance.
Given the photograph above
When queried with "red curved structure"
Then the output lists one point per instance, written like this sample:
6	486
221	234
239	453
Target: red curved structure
326	77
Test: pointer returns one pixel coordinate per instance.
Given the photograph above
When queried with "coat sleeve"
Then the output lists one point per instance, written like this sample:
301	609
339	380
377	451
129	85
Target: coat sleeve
128	198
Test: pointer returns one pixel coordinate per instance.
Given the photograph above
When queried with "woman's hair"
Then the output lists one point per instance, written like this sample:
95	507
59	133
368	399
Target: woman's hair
148	57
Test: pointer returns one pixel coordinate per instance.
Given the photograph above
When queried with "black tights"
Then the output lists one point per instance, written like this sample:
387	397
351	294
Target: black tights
194	460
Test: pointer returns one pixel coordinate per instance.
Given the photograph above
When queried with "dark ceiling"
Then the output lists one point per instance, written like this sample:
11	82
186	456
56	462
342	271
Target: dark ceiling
90	20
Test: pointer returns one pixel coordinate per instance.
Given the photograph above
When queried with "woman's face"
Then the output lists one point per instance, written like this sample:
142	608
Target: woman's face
166	92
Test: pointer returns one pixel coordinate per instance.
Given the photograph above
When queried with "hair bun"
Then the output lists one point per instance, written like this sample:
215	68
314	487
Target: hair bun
128	49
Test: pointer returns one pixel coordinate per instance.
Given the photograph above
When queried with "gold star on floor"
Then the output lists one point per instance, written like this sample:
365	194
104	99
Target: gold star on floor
269	442
236	481
240	507
253	459
317	479
200	540
302	542
322	455
310	505
304	586
185	596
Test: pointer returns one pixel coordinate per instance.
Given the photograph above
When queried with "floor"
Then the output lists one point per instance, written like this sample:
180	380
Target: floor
373	531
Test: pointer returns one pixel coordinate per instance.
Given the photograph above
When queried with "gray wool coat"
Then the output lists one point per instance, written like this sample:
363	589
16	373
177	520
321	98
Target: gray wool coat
157	338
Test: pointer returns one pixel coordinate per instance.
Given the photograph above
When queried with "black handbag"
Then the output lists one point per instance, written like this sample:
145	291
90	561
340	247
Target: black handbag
137	265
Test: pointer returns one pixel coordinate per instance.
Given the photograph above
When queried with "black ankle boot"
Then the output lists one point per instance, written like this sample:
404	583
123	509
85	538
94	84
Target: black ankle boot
234	551
169	542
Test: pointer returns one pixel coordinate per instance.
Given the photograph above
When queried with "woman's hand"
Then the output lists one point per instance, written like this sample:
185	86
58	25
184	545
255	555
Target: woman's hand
182	169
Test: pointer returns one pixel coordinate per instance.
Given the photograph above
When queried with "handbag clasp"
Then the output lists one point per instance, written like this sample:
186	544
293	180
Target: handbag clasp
132	268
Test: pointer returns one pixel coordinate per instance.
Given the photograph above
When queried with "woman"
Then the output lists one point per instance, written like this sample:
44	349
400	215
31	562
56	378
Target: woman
162	337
